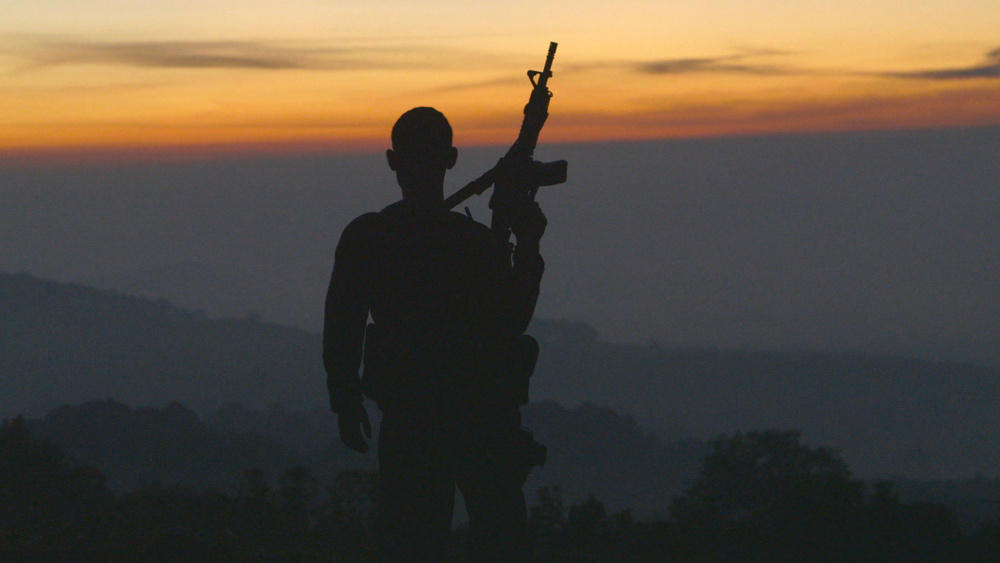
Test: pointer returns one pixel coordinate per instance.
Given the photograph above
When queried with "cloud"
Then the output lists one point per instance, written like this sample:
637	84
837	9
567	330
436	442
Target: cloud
254	55
726	64
990	68
729	64
658	116
462	86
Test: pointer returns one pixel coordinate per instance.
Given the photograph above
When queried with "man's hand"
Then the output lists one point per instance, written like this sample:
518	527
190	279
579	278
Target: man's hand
528	225
352	421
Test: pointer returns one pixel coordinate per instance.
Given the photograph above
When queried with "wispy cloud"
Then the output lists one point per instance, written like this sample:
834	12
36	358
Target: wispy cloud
989	68
462	86
735	64
255	55
738	64
921	108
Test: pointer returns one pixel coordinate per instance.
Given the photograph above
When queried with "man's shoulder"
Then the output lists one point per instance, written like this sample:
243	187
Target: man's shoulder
359	234
363	225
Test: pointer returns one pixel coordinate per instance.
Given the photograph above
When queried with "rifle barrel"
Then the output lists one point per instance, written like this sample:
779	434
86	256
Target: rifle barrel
548	59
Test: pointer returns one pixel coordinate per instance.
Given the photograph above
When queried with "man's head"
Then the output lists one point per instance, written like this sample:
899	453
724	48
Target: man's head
421	152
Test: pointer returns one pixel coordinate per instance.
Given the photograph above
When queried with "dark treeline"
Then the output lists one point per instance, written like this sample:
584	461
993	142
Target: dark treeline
592	450
758	496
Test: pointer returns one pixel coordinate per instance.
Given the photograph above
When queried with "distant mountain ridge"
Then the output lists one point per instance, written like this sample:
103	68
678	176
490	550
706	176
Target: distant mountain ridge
889	416
64	343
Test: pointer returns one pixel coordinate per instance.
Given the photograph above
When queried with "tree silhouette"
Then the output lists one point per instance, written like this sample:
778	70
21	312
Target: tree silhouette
346	518
549	514
763	495
46	501
351	499
297	489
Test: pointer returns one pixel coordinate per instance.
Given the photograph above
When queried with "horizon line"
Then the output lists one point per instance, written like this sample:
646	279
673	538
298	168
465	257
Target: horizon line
175	153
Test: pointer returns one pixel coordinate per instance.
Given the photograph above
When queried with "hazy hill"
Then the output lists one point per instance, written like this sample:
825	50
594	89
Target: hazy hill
65	343
889	416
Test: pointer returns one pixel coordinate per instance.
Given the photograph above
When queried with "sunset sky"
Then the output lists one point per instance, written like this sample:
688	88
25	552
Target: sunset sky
333	74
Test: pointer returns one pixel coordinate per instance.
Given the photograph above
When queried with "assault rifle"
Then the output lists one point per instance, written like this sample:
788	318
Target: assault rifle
515	180
517	176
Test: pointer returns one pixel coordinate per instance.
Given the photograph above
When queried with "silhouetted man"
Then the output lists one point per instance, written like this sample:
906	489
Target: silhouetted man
444	358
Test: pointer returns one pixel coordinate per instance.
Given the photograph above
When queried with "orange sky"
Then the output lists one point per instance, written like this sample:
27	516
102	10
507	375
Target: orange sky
199	78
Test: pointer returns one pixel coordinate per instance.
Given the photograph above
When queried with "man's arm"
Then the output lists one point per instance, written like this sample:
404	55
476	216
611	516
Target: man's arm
524	283
346	314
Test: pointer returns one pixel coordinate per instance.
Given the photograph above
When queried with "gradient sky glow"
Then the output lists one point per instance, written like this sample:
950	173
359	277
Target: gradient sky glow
334	74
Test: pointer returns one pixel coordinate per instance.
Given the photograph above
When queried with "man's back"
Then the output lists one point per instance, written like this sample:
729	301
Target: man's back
437	285
436	276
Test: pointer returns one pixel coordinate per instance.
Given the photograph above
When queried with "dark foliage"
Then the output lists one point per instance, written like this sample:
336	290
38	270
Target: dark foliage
595	450
52	509
171	444
45	499
763	496
760	496
592	450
